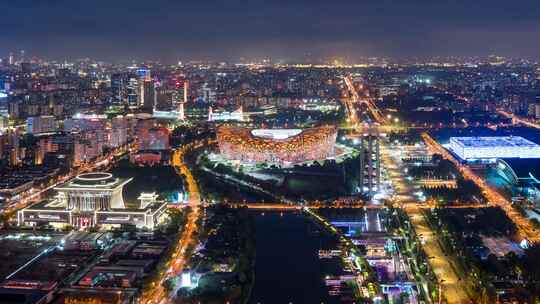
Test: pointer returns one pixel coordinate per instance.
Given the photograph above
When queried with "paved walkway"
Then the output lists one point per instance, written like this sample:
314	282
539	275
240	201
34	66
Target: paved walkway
453	289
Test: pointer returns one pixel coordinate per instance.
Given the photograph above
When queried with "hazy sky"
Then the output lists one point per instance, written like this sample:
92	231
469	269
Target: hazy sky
173	30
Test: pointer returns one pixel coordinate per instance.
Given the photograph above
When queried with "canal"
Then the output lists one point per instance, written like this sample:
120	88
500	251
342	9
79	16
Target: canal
287	266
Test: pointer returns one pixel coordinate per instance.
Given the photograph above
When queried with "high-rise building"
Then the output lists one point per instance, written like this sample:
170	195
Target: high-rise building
4	122
132	91
44	146
3	144
164	99
13	147
147	97
370	163
181	97
119	87
86	147
14	109
40	124
118	132
208	94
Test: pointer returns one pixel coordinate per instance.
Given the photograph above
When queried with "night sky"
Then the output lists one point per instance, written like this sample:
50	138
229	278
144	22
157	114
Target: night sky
172	30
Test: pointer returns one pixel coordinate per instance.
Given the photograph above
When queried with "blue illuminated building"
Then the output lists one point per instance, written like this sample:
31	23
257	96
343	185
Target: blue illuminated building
491	147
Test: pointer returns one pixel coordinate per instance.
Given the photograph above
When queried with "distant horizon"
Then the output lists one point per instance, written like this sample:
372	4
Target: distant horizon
295	30
242	60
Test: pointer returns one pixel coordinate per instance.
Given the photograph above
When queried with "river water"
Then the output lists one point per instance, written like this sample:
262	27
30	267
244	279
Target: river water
288	269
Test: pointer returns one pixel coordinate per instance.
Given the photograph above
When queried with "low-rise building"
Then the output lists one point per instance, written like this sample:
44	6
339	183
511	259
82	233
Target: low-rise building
94	199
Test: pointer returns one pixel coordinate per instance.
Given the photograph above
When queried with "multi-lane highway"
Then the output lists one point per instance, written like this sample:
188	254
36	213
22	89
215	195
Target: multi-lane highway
355	99
453	289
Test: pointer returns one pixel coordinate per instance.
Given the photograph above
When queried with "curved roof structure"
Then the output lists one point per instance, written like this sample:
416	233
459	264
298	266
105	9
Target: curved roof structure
514	169
95	180
281	146
245	138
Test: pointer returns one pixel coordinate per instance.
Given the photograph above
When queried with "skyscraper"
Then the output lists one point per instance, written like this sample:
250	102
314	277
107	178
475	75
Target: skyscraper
181	97
132	90
147	97
370	163
119	83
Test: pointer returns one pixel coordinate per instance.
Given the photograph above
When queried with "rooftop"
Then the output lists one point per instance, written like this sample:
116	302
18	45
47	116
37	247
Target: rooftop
524	167
275	133
97	180
494	141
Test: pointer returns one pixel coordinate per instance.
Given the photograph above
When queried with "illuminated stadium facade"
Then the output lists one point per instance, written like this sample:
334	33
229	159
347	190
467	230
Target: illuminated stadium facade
93	199
277	146
468	148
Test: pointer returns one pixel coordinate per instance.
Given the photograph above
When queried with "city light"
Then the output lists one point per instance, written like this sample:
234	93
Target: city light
277	146
156	171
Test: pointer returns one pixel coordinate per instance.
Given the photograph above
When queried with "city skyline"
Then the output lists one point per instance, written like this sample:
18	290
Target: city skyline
292	31
175	152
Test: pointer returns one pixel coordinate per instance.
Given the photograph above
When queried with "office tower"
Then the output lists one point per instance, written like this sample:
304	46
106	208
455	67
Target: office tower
164	99
181	97
119	87
147	94
132	91
370	163
146	89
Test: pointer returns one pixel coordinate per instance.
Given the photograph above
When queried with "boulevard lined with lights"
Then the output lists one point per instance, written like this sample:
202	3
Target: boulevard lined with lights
156	293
